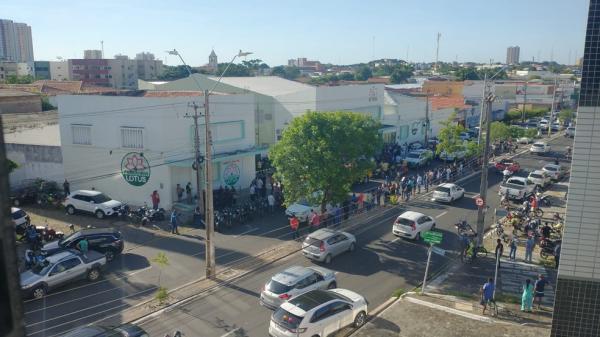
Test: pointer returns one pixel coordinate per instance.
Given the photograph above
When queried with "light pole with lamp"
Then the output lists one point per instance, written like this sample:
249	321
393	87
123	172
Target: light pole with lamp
208	210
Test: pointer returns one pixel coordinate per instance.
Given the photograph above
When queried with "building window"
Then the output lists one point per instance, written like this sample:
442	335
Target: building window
82	134
132	138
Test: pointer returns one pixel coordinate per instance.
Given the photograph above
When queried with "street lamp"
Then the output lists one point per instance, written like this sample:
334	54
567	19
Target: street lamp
208	210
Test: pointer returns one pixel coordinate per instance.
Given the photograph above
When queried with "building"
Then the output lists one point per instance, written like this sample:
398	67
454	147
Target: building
16	43
512	55
42	70
577	296
92	71
26	69
59	71
92	54
16	101
213	63
7	68
305	66
151	146
144	56
277	100
148	68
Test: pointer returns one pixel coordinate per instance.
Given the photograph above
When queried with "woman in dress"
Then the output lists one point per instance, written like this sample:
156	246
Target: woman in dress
527	298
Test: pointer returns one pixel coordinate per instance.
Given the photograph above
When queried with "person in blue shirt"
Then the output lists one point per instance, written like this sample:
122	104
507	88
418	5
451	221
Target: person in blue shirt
174	224
487	293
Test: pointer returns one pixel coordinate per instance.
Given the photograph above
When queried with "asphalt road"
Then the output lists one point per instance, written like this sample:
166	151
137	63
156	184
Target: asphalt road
381	264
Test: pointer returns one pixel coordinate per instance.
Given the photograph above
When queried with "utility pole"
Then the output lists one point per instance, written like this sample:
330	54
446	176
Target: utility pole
198	156
437	53
553	105
524	101
481	114
102	47
210	224
488	99
427	121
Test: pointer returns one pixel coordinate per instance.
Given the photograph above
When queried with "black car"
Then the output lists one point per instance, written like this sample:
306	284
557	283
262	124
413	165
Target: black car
125	330
104	240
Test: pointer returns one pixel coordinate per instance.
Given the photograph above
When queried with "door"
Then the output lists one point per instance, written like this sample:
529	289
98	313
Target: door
343	243
84	203
324	322
98	243
332	244
63	272
342	311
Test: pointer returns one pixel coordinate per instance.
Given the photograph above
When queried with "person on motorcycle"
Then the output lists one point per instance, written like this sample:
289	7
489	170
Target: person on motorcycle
526	207
568	152
546	230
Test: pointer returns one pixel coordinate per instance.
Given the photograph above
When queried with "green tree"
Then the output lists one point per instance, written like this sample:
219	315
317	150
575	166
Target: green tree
363	73
14	79
289	73
449	136
499	131
325	152
466	73
162	261
401	74
473	149
11	165
346	77
234	70
566	114
171	73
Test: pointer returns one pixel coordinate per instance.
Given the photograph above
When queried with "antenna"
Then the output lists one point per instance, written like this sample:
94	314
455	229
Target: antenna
102	47
437	52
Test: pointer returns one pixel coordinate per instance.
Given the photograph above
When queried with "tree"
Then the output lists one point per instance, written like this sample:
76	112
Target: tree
346	77
162	261
499	131
11	165
466	73
449	136
325	152
473	149
363	73
14	79
174	73
566	114
401	74
289	73
234	70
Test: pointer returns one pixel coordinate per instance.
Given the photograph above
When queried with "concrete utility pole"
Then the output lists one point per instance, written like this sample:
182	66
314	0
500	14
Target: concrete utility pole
488	100
198	156
210	224
482	109
426	121
524	101
553	105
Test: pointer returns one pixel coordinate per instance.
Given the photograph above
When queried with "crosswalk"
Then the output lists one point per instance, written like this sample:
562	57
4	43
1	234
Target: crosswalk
512	276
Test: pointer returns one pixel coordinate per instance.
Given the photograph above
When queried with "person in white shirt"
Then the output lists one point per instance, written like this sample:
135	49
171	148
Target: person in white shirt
271	201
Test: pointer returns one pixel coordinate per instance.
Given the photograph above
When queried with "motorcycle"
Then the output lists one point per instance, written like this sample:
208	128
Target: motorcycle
545	201
464	229
48	234
123	211
33	258
156	214
139	216
547	247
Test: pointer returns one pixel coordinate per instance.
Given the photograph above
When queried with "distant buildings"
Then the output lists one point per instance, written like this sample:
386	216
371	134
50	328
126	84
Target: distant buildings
212	66
512	55
92	54
16	44
305	66
42	70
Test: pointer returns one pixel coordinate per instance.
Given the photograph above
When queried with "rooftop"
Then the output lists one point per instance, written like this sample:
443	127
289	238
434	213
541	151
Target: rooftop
266	85
43	134
15	93
444	102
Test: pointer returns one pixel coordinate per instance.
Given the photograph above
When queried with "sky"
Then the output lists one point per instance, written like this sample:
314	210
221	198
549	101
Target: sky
331	31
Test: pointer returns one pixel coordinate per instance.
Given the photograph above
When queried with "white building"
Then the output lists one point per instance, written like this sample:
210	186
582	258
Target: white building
128	147
59	70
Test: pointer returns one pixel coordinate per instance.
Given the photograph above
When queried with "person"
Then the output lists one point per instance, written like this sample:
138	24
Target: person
155	199
546	229
529	248
556	162
534	202
315	220
179	191
499	250
188	192
556	254
448	172
174	224
271	202
66	187
487	293
294	224
198	218
527	297
514	241
506	174
419	183
82	245
526	206
539	285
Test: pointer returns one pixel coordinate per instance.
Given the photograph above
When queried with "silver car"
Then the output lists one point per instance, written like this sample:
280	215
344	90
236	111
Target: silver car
325	244
295	281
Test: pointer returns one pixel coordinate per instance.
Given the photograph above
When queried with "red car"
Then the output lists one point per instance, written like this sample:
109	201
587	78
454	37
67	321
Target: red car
509	164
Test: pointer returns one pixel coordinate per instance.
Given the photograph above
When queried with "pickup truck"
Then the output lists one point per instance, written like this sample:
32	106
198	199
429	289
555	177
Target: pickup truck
59	269
418	158
517	188
448	193
508	164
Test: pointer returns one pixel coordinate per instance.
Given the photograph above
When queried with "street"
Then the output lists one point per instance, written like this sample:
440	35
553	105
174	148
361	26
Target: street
381	264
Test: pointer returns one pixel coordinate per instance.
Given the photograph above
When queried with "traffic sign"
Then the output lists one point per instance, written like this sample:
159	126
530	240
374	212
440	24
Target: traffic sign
479	202
438	250
432	237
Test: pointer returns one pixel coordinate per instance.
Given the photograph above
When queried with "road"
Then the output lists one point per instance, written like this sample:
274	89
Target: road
381	264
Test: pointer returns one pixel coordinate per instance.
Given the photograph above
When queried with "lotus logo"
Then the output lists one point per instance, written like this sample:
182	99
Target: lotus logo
135	169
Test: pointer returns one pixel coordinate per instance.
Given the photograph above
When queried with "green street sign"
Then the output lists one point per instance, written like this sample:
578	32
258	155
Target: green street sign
432	237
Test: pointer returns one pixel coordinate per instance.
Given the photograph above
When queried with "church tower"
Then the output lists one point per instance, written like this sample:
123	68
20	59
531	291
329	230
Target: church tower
212	61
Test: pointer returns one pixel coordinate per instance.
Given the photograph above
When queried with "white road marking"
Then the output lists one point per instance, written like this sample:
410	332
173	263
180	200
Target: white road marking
246	232
155	226
230	333
450	310
396	240
441	214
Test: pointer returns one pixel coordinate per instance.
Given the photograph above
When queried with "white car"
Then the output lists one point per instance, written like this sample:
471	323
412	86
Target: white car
19	217
319	313
295	281
303	209
570	132
555	171
448	193
539	148
540	178
93	202
524	140
411	224
418	158
458	155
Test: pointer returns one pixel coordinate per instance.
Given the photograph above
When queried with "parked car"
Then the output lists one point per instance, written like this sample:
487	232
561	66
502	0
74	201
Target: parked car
543	124
295	281
556	172
25	194
570	132
93	202
507	164
415	146
107	241
411	224
524	140
517	188
123	330
59	269
19	217
539	148
325	244
302	210
540	178
319	313
418	158
556	126
447	193
458	155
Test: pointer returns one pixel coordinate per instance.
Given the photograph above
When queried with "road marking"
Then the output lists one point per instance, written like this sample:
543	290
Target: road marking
155	226
246	232
441	214
231	332
449	310
396	240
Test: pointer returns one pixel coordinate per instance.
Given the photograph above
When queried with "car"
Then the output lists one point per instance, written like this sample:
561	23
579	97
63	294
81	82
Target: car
415	146
556	126
540	148
517	188
295	281
412	224
447	193
59	269
123	330
325	244
319	313
107	241
418	158
524	140
540	178
19	217
93	202
556	172
458	155
570	132
507	164
543	124
532	125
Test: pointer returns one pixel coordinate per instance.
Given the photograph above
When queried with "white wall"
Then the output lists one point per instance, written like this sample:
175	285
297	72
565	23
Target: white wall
367	98
59	70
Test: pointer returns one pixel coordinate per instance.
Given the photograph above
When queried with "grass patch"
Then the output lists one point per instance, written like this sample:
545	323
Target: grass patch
398	292
161	295
508	298
461	294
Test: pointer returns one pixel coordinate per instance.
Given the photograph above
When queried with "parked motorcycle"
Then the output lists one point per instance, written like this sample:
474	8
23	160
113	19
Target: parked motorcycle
48	234
156	214
139	216
464	229
547	247
545	201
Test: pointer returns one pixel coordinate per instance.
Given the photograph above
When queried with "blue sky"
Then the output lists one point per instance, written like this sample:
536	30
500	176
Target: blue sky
336	31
